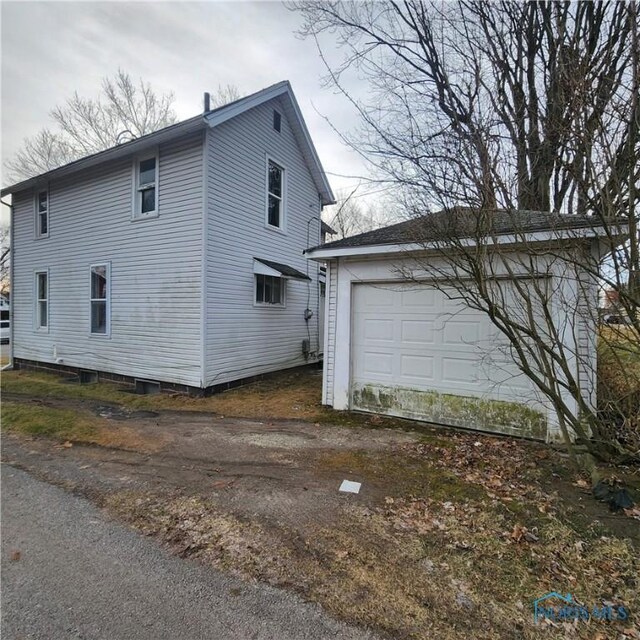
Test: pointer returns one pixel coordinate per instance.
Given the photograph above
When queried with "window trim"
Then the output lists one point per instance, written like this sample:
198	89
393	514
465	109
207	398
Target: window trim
269	305
107	333
36	301
136	214
283	199
36	211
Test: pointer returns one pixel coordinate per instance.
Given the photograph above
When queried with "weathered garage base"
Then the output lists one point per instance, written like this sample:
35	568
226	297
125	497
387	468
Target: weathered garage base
509	418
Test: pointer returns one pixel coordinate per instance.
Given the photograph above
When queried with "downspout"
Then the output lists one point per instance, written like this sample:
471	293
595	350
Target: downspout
9	367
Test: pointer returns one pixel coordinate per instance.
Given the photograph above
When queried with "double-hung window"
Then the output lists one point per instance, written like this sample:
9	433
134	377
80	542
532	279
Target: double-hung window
42	300
275	195
42	214
270	290
100	299
146	187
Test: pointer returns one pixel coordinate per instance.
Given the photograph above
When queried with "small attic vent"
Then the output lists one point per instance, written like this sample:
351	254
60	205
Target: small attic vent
276	121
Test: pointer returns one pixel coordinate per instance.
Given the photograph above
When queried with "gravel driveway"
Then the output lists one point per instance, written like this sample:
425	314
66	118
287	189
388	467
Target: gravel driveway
69	572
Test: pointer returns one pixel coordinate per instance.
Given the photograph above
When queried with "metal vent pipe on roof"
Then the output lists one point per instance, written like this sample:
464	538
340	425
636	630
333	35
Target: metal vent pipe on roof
207	102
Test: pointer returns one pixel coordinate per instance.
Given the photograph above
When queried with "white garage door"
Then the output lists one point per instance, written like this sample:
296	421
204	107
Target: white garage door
416	353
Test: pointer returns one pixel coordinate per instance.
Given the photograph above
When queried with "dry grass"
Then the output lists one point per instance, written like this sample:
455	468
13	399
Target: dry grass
73	426
298	395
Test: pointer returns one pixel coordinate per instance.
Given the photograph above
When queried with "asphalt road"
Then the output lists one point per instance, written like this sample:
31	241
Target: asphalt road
69	572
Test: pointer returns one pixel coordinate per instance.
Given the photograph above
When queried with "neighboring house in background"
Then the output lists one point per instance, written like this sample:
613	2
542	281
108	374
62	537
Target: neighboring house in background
402	347
176	257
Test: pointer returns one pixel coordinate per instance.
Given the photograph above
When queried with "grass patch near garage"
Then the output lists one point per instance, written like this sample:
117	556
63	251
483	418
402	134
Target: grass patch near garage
61	424
73	426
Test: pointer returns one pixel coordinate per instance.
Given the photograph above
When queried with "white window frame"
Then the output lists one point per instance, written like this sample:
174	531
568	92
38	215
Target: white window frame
138	188
269	305
283	198
36	209
107	333
37	300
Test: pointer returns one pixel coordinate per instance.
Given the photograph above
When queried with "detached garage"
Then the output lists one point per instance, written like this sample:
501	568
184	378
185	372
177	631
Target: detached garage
406	346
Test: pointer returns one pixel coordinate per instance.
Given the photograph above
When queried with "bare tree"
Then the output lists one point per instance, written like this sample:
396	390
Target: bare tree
483	110
349	216
224	94
124	110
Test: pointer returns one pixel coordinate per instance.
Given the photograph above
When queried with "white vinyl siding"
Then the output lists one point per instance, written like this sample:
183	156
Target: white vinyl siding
155	275
244	338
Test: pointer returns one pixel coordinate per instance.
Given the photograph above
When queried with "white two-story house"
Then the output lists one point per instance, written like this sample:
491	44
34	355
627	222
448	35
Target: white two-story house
176	258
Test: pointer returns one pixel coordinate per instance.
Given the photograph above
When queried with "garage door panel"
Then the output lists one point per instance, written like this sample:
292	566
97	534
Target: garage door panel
377	364
378	329
379	296
417	332
418	297
412	347
460	371
417	367
456	332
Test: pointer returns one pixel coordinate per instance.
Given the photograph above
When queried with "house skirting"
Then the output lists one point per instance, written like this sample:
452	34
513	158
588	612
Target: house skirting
130	381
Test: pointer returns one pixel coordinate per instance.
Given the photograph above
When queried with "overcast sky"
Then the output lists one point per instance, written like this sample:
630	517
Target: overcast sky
51	49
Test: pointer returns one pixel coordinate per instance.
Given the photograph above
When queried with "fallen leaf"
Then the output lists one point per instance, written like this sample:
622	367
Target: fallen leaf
15	556
518	532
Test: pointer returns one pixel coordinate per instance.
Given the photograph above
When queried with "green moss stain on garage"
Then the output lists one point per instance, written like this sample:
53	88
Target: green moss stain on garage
461	411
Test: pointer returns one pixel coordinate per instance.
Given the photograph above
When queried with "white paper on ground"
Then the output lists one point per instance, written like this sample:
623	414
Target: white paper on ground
350	487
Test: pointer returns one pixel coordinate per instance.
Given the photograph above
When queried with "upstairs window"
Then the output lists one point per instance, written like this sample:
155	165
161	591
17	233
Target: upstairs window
42	300
100	275
275	198
42	214
146	187
270	290
277	121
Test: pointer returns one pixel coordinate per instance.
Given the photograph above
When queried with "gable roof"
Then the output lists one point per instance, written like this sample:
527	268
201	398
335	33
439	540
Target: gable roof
461	223
212	119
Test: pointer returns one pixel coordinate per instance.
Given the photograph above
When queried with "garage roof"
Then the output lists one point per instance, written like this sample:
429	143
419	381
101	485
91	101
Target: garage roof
461	223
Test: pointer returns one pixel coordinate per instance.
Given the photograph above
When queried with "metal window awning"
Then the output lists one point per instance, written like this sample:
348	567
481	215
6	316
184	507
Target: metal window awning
277	270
